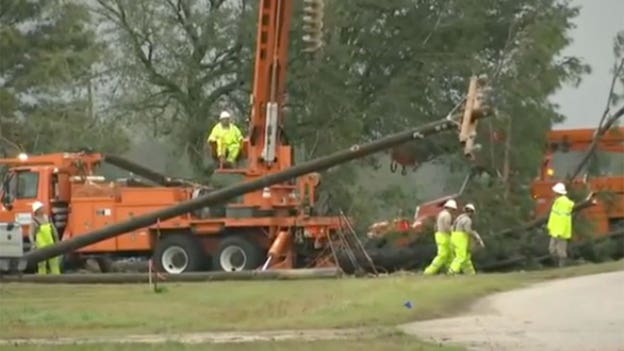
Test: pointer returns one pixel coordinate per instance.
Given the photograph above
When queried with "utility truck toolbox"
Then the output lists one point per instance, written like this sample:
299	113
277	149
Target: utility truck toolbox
11	244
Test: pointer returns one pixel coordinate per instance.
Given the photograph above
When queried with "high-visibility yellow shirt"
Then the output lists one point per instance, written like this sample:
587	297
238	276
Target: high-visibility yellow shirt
560	218
225	136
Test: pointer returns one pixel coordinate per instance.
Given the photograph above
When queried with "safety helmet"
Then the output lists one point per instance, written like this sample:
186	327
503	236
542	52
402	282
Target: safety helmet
224	114
470	207
451	204
559	188
37	205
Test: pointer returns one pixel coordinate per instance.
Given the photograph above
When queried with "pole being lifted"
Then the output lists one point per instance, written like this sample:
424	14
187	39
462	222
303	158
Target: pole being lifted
143	171
228	193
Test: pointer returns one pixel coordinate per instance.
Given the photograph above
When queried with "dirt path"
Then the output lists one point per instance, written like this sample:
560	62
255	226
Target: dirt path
210	337
577	314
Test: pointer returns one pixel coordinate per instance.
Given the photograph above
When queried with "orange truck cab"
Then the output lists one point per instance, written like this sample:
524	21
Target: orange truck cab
604	173
42	178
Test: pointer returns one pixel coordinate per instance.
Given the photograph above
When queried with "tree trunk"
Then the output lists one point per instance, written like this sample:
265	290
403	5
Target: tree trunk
506	160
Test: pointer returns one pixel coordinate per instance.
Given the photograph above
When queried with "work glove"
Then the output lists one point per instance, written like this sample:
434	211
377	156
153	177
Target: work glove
482	244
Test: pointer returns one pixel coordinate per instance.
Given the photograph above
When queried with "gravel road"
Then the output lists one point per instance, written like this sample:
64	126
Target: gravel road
577	314
207	338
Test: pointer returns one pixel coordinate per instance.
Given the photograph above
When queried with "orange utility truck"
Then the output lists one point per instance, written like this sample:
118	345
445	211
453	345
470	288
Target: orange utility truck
272	226
79	201
604	173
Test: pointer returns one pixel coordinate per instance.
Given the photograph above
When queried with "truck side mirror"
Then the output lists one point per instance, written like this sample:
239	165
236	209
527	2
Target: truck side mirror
7	201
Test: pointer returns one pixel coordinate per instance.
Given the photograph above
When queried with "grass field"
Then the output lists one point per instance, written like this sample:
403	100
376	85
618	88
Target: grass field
394	343
30	310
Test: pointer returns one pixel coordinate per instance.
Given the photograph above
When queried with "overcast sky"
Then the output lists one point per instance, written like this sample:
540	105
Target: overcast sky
597	25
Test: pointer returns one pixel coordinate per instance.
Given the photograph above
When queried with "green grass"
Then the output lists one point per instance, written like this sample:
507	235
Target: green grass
391	343
35	310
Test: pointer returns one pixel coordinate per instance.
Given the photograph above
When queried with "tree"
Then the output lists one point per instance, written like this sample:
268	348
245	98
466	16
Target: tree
179	62
618	69
46	74
384	66
402	63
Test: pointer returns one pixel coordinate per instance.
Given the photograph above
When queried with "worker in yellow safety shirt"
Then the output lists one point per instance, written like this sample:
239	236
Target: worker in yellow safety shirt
442	236
461	241
228	139
43	233
560	225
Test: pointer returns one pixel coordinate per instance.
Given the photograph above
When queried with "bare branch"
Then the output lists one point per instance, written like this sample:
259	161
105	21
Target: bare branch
604	125
616	74
215	4
225	65
136	38
182	13
609	122
220	91
227	55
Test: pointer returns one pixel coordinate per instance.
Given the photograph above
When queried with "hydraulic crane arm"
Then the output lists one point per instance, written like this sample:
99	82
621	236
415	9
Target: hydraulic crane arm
85	162
269	82
142	171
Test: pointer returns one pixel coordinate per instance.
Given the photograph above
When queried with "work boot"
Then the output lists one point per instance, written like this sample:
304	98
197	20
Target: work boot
561	262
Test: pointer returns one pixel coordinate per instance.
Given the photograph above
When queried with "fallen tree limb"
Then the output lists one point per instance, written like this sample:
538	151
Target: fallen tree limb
542	220
575	245
602	130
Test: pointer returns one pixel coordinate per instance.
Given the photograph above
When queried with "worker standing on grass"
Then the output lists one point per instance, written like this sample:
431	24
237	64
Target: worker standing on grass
228	139
461	240
443	226
560	225
43	233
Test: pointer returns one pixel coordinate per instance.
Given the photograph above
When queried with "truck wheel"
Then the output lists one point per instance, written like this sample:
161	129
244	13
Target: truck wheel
178	253
236	253
105	264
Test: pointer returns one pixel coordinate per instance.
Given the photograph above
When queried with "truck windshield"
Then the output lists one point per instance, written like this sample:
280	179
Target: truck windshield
603	164
23	185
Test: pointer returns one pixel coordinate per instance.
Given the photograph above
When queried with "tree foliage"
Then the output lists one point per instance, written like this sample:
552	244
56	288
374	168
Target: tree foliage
178	62
48	52
617	94
384	66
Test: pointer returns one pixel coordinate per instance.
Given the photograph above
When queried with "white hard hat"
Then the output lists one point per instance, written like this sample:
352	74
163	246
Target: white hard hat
451	204
470	207
560	188
224	114
36	206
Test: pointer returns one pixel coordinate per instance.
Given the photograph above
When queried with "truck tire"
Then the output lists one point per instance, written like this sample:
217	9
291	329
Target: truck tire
236	253
179	253
105	264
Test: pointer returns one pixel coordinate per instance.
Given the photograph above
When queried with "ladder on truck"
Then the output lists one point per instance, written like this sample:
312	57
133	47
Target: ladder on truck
346	241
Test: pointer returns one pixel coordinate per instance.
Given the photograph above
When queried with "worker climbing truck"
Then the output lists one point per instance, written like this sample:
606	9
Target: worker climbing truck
267	221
